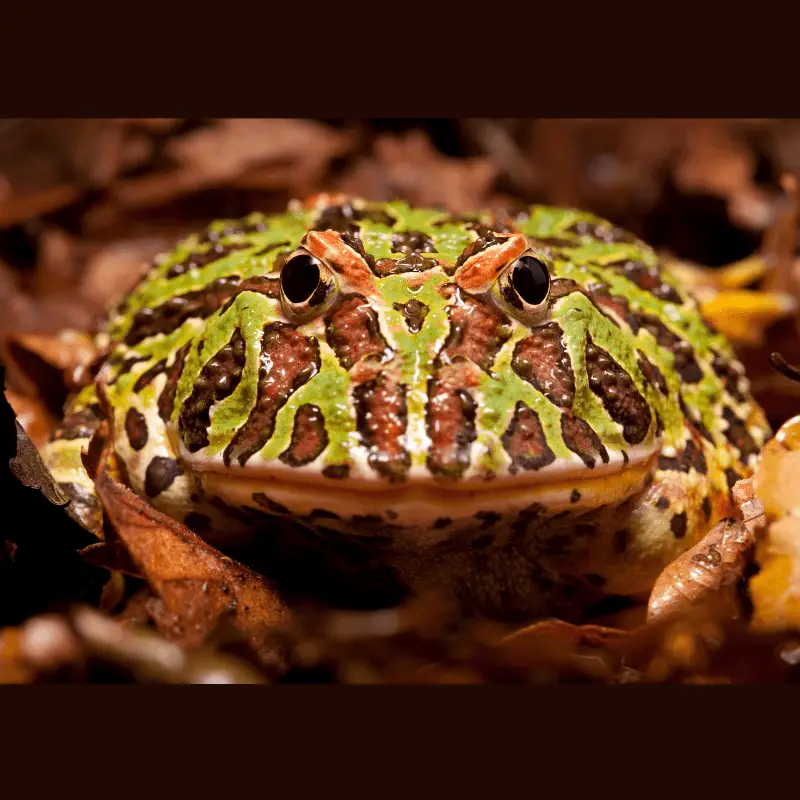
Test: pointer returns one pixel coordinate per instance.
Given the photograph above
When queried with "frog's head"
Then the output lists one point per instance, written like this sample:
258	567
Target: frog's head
392	349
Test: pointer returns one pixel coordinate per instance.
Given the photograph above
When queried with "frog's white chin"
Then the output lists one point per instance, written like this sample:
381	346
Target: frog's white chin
421	499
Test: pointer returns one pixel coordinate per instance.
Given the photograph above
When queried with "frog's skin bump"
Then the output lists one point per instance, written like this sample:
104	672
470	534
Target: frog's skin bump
390	386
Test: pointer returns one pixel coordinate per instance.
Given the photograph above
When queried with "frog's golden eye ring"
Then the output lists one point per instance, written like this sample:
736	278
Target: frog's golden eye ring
308	287
523	288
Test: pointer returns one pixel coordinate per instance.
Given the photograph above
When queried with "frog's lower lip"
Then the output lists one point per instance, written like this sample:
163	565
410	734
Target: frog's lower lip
363	478
420	504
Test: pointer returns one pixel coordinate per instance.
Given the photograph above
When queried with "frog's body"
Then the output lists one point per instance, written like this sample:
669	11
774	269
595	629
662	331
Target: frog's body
416	422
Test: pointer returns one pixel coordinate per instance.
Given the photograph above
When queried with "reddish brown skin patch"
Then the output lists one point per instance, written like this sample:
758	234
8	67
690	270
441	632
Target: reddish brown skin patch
353	332
621	399
451	428
478	273
381	419
477	330
542	360
579	437
345	261
525	441
136	428
216	381
294	359
309	437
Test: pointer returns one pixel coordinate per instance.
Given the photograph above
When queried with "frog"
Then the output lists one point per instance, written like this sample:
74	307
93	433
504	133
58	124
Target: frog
523	410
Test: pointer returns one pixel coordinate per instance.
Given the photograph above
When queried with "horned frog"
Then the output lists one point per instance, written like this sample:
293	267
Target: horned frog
526	411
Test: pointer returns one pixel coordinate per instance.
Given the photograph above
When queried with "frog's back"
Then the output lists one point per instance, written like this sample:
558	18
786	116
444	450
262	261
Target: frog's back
423	407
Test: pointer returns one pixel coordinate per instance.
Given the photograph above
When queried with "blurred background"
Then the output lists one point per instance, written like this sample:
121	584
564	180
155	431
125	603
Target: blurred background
86	203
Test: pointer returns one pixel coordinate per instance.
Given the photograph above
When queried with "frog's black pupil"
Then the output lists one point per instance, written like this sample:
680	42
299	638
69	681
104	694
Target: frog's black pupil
531	280
299	278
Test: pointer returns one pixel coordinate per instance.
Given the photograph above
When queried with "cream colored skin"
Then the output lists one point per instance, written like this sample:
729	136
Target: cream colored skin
636	492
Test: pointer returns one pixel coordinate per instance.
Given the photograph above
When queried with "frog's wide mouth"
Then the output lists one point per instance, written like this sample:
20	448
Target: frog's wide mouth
421	501
361	477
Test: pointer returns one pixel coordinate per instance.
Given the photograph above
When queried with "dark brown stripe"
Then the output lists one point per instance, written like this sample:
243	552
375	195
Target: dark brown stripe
685	363
160	475
414	313
288	360
136	428
690	457
166	400
621	399
738	435
216	381
195	261
525	441
652	374
579	437
309	437
172	313
648	279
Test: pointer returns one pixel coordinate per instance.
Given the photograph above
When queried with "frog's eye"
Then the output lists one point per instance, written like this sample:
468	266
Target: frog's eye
308	287
523	288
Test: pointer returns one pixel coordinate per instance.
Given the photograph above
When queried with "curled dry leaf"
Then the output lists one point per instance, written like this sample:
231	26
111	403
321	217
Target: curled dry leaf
36	421
713	567
197	585
115	268
47	367
589	652
410	167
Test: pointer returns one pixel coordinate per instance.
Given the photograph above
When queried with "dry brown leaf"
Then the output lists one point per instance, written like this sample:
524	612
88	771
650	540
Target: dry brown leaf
116	268
411	168
48	366
229	148
196	583
708	571
33	416
588	651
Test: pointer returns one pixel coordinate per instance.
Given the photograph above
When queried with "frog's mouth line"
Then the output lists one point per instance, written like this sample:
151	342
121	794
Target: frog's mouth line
362	478
418	500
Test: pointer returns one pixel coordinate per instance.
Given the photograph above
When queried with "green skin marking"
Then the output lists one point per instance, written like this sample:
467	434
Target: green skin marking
585	262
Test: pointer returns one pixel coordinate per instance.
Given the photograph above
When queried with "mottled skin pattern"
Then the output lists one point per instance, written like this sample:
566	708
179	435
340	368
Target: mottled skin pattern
409	419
